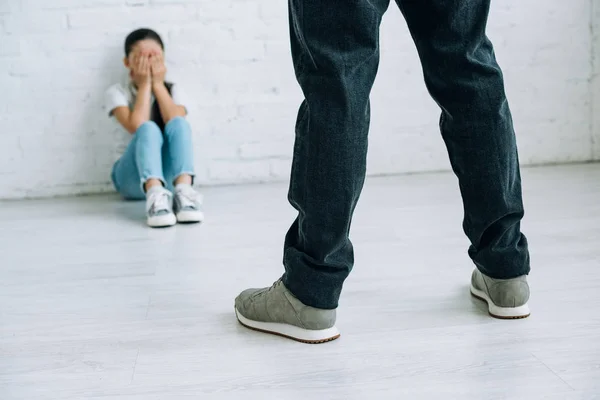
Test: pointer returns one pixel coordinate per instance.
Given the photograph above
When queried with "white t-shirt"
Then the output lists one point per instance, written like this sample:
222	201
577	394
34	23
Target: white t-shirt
124	95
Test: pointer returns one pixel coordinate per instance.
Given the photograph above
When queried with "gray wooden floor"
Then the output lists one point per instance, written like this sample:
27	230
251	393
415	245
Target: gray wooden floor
94	305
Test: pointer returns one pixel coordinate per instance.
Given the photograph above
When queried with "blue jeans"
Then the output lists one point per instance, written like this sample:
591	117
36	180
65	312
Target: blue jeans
335	49
154	154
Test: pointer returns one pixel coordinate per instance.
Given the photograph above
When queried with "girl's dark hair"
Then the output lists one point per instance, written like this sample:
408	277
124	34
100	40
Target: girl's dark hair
139	35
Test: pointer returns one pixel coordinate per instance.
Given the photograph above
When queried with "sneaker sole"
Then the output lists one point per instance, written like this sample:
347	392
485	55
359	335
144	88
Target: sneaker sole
290	331
162	221
501	312
190	217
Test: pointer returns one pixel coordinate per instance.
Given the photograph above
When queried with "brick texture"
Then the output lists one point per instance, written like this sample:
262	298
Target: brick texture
58	57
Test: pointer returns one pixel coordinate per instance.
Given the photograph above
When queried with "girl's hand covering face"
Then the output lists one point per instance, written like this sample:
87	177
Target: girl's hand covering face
158	68
141	69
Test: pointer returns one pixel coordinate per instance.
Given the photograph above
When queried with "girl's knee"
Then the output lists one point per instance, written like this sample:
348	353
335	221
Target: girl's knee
150	130
178	124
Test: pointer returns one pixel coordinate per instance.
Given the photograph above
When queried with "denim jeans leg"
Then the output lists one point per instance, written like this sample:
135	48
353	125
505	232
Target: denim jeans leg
335	49
140	162
148	152
464	78
178	151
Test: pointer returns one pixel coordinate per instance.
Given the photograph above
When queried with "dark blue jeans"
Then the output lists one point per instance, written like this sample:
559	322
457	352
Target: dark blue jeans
335	48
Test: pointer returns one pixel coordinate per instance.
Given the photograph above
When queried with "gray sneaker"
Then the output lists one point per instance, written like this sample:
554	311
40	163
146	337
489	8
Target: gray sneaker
276	310
188	205
506	298
159	210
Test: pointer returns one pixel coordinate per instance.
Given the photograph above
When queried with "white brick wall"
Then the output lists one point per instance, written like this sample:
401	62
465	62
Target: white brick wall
57	57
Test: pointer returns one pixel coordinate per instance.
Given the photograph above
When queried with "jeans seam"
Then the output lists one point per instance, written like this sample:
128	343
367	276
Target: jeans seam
295	159
298	21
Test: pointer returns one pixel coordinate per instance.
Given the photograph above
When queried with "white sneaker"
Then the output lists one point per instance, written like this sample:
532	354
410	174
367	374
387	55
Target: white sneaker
188	205
159	208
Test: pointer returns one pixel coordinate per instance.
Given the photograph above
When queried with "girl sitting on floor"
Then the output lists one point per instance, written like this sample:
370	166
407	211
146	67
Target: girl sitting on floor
158	162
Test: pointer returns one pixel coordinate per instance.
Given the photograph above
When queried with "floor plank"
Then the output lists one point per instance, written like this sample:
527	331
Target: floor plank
94	305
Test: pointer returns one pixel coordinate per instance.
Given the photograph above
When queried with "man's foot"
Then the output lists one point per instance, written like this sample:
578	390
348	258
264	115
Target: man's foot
159	208
276	310
506	298
188	205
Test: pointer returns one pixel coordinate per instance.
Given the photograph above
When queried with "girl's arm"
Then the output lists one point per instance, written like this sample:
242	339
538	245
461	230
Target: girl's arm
133	119
168	108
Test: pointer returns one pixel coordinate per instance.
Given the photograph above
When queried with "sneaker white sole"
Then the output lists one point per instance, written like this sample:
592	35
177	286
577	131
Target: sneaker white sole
162	221
501	312
190	216
290	331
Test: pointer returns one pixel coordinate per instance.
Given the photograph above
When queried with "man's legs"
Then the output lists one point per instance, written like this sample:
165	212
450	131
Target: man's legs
335	48
463	77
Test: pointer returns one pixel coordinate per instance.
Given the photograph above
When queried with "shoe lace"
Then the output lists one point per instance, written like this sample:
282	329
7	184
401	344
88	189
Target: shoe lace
188	198
159	201
275	284
268	290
